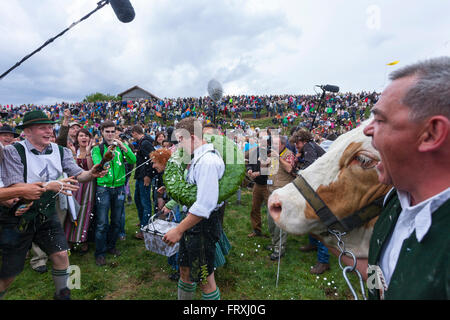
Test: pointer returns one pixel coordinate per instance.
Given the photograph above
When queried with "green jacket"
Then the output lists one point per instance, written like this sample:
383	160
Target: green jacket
423	269
116	173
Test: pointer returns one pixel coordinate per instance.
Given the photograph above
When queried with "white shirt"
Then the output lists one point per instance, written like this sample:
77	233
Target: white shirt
206	169
418	218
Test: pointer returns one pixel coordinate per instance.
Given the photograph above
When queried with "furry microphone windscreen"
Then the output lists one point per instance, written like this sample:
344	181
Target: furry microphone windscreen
215	90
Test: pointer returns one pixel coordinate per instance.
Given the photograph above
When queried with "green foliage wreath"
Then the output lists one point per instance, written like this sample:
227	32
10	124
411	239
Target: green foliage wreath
185	193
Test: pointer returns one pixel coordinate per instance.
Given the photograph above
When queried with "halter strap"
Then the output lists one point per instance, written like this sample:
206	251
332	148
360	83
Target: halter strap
327	217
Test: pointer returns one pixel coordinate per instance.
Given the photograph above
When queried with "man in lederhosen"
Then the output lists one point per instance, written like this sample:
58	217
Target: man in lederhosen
200	230
36	159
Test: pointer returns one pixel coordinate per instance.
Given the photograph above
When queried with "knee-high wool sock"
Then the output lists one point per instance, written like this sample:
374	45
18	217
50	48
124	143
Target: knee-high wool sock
186	291
60	278
215	295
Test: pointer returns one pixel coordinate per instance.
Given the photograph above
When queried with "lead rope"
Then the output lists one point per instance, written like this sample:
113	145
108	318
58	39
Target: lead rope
279	259
341	246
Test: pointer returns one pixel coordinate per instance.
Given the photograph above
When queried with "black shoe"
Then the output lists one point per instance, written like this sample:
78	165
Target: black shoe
275	256
64	294
100	260
41	269
115	252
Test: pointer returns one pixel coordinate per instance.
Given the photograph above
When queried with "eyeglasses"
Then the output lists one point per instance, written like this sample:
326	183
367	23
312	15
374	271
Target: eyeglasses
110	131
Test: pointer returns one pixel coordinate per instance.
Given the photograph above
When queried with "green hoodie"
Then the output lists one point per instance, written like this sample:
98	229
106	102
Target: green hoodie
116	173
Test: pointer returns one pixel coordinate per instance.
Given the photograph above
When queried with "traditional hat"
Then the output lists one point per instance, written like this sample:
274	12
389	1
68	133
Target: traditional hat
35	117
7	129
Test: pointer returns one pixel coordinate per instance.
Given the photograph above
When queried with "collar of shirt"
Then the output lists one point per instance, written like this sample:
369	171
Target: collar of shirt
47	150
419	217
201	150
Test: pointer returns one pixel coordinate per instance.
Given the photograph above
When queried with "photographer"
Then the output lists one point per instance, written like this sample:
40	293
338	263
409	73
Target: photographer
143	175
260	193
110	192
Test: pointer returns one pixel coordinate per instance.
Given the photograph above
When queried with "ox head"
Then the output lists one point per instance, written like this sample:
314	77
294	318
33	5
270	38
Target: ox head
346	180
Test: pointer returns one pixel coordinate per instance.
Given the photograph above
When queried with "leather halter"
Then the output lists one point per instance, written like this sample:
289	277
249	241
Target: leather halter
327	217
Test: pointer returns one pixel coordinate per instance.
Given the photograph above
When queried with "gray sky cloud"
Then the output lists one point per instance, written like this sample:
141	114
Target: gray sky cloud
173	48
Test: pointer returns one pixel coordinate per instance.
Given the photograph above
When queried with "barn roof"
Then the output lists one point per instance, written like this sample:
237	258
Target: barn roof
139	88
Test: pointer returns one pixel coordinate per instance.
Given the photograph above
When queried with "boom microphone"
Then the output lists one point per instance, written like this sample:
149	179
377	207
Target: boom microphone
215	90
123	10
329	88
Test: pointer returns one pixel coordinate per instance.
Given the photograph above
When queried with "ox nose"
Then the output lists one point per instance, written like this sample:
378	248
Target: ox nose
275	207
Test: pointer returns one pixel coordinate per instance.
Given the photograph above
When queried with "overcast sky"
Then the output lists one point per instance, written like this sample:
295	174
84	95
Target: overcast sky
173	48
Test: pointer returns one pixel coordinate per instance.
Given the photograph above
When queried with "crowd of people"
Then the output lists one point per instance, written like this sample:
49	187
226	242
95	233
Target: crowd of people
76	160
336	113
140	137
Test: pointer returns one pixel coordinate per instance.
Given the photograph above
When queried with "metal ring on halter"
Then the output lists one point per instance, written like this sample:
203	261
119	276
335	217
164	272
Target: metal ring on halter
349	254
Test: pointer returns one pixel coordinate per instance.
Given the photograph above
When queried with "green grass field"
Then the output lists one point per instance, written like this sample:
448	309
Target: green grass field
248	274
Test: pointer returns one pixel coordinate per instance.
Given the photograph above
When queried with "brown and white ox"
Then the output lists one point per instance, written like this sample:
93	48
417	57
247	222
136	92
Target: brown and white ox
346	180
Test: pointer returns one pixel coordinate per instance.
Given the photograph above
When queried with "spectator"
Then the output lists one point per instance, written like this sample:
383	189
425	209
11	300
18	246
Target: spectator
110	193
307	149
260	192
159	160
329	140
143	175
7	135
78	233
38	156
159	139
310	152
279	166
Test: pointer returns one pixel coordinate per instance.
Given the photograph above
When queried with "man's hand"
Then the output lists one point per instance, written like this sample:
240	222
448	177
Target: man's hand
22	209
63	186
72	148
161	190
9	203
165	210
97	174
67	116
255	174
172	236
121	145
147	181
32	191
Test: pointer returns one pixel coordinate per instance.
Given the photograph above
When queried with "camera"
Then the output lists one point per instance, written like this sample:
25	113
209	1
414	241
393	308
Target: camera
124	137
74	111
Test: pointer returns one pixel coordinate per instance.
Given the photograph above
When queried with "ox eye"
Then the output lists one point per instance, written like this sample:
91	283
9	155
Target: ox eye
365	162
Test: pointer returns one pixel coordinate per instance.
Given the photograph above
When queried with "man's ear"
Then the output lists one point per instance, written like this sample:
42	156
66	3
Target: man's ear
434	134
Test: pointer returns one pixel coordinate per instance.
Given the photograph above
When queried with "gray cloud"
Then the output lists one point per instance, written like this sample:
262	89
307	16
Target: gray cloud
174	48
